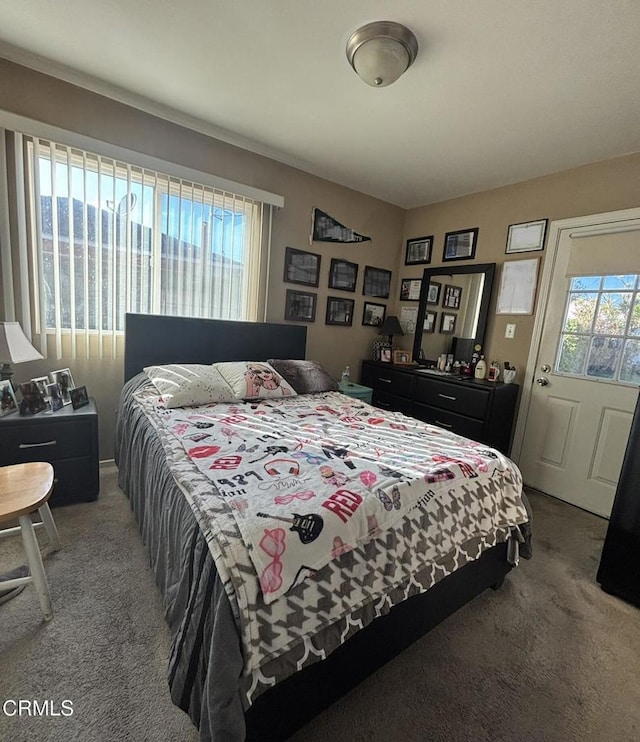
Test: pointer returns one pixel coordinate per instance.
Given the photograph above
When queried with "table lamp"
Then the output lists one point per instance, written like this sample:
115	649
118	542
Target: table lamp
391	326
14	348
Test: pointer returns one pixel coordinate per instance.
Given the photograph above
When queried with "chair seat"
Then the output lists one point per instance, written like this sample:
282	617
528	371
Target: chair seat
24	488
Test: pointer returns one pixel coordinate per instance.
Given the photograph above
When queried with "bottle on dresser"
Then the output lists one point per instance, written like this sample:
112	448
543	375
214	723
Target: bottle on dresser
346	375
481	369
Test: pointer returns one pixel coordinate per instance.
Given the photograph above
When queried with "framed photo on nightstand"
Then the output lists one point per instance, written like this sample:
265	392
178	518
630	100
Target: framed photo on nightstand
8	403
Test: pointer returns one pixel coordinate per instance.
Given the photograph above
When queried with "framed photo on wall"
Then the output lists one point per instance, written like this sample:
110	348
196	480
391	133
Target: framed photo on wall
373	314
339	311
410	289
460	245
419	251
377	282
447	323
452	296
343	275
433	296
301	267
526	237
429	322
300	306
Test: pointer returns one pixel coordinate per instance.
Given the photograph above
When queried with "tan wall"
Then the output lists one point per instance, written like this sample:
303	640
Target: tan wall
37	96
601	187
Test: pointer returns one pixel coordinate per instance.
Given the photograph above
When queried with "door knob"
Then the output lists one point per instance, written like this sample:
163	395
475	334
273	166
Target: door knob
542	381
545	368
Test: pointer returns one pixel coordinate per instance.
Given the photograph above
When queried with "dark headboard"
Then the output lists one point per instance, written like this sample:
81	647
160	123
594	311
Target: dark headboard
152	339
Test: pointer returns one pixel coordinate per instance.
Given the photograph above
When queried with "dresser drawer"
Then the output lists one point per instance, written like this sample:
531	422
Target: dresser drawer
466	400
458	424
382	379
47	442
388	401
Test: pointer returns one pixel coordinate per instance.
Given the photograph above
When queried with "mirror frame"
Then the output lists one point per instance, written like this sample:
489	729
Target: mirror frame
489	270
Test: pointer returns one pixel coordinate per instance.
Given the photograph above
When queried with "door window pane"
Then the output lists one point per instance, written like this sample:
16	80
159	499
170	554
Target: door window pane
573	354
619	282
613	313
586	283
630	370
581	311
634	325
603	357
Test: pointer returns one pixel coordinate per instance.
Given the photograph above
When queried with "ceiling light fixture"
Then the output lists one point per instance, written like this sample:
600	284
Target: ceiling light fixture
381	51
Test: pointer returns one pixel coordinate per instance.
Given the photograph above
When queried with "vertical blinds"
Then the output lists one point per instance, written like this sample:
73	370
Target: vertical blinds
110	237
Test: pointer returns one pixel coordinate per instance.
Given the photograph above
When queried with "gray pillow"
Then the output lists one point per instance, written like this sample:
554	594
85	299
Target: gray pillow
306	377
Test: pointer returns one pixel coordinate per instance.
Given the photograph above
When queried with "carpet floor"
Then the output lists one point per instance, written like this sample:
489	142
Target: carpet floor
549	657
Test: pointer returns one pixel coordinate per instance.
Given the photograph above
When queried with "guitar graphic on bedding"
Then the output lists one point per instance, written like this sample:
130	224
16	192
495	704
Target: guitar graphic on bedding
308	527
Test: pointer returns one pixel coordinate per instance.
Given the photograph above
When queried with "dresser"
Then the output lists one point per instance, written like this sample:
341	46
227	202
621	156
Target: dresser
67	438
478	409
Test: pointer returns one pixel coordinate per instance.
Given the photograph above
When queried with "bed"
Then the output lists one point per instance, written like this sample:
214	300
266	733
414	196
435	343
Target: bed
223	669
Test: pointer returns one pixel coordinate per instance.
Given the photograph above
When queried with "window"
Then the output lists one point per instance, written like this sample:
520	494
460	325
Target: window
601	330
111	238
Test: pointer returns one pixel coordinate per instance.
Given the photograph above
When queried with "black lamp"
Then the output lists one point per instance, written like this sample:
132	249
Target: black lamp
391	326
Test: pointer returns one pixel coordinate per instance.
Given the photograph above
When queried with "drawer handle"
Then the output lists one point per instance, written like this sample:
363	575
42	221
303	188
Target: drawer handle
37	445
443	425
383	404
386	381
447	396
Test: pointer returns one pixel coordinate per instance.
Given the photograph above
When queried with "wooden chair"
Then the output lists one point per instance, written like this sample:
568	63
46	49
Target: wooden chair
25	488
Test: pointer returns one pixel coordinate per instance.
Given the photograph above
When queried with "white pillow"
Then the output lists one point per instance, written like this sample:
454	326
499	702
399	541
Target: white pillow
254	380
186	384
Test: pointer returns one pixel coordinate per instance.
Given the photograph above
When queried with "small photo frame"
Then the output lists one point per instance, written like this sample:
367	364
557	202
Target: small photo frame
55	397
377	282
33	400
429	322
64	378
452	296
447	323
300	306
433	295
343	275
79	397
410	289
378	347
460	245
8	402
419	251
301	267
385	355
526	237
402	357
42	382
339	311
373	314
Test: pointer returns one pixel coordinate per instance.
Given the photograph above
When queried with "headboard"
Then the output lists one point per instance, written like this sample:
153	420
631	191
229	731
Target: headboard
152	339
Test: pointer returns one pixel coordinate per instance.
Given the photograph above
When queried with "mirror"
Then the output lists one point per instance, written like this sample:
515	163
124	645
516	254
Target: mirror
453	310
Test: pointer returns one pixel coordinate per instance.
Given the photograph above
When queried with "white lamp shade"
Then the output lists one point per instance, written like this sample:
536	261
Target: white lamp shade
14	346
380	62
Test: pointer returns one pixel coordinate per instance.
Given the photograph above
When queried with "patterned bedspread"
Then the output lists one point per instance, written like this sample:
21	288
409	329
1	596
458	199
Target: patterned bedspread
323	506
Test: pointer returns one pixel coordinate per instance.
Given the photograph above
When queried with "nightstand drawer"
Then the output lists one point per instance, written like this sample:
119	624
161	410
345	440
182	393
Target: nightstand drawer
450	421
465	400
75	480
47	442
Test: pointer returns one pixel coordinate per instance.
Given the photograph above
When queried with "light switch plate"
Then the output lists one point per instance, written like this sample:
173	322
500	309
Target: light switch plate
510	332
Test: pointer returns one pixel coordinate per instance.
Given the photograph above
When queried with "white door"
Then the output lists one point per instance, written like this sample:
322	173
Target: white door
584	371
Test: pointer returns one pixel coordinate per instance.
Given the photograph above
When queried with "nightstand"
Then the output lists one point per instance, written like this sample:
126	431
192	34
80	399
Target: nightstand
68	439
356	390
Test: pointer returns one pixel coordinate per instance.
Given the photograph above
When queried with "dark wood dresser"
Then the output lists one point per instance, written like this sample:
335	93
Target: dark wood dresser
67	438
481	410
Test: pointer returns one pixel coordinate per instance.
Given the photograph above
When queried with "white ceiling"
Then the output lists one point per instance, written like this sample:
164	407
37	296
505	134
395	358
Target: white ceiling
501	91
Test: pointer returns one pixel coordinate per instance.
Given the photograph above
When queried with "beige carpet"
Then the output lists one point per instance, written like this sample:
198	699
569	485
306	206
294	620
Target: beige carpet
548	657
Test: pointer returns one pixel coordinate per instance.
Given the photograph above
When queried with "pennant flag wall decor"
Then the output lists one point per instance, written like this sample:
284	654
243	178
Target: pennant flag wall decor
326	229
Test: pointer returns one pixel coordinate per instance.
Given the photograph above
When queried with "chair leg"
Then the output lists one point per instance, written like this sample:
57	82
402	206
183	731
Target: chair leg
50	526
34	558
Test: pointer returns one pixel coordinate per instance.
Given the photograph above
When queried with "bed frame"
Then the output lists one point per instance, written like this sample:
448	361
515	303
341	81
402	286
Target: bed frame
285	708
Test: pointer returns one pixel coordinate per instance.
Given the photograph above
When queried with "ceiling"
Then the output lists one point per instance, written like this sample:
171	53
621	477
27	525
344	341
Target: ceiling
501	91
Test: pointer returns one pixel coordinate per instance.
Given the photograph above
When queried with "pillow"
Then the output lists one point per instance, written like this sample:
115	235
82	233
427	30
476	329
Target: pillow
306	377
186	384
254	380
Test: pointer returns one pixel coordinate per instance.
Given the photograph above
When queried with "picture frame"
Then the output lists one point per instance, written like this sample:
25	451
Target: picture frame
410	289
55	397
301	267
418	251
339	311
401	358
452	296
518	283
433	295
343	275
33	401
79	397
8	402
65	379
373	314
378	347
377	282
460	245
42	382
385	355
429	324
448	323
300	306
526	236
